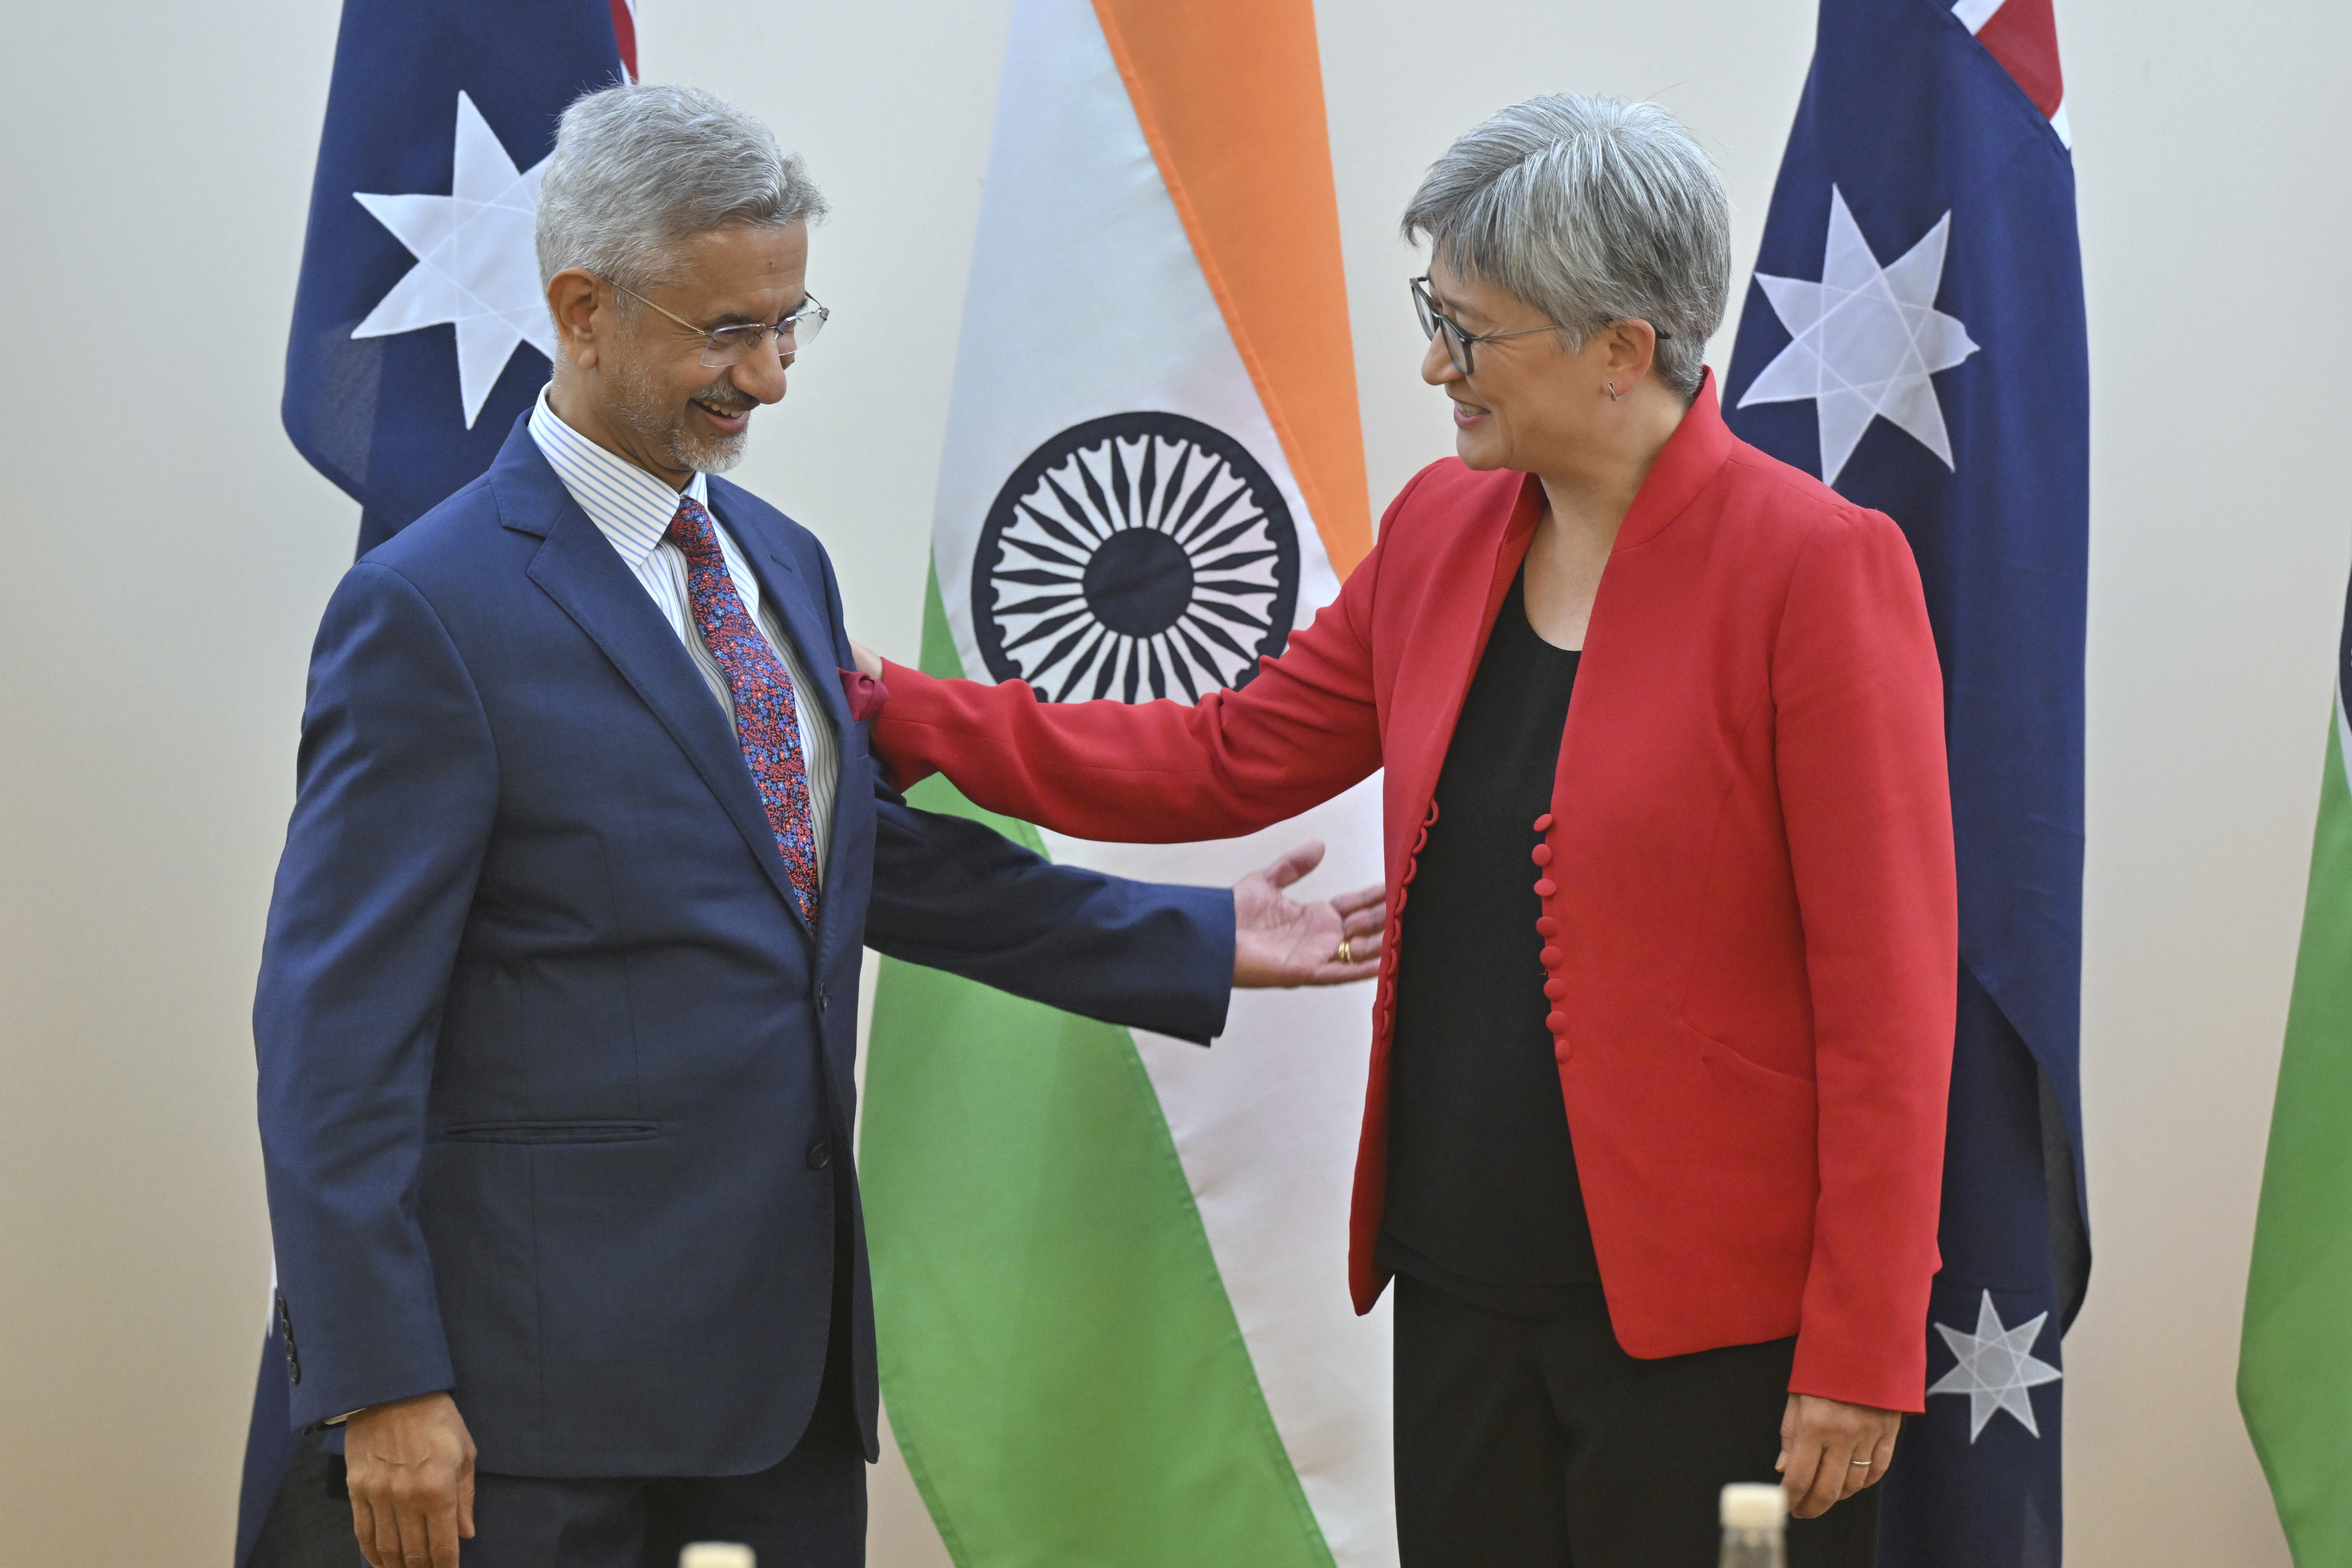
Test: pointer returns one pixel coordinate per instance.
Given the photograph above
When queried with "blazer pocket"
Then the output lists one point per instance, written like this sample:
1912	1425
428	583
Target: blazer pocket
551	1132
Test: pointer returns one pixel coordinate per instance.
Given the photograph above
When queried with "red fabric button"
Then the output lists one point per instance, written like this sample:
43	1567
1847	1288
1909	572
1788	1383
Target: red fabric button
1547	926
1541	854
1550	957
1555	989
1559	1050
1433	813
1546	888
1555	1022
1543	823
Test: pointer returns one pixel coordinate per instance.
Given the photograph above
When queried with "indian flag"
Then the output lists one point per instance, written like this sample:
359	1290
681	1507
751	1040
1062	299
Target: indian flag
2294	1367
1109	1267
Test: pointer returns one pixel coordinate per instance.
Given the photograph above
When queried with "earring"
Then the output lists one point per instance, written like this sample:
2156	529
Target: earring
1612	391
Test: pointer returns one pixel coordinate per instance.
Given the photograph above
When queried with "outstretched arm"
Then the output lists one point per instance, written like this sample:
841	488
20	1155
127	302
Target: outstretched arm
1305	728
953	894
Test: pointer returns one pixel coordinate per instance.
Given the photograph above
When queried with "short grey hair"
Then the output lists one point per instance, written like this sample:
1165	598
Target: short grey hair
1592	210
641	165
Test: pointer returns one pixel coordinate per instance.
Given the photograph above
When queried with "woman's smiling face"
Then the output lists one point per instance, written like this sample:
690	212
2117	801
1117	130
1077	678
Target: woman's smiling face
1510	406
1530	402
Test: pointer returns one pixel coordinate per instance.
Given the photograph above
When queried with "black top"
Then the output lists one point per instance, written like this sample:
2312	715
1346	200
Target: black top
1483	1199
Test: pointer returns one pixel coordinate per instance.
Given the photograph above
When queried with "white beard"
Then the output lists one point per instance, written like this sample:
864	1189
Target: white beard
647	412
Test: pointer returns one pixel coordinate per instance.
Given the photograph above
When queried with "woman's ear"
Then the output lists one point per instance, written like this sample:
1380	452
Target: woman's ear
1633	349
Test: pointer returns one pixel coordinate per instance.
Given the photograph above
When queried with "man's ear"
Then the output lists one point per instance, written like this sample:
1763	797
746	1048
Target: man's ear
576	299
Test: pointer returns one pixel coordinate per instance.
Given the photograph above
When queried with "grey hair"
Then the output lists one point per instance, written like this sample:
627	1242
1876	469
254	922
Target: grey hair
1592	210
641	165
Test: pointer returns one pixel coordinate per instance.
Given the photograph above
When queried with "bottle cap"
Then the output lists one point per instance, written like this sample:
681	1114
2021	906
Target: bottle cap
1746	1505
716	1554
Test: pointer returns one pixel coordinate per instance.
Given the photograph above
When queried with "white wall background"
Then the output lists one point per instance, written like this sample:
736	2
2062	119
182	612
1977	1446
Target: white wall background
166	554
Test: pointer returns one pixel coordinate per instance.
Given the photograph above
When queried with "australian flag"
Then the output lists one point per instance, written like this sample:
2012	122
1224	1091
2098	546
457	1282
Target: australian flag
1914	335
419	334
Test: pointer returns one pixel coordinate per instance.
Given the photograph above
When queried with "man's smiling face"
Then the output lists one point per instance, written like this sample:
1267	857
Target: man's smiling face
656	403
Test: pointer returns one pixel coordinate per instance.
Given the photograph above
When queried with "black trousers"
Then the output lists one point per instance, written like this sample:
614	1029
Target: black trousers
1525	1443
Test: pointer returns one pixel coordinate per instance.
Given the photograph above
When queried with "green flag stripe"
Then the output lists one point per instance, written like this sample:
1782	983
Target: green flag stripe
1063	1367
2294	1372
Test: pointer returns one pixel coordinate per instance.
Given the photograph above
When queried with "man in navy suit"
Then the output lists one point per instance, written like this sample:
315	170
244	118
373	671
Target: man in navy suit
558	1007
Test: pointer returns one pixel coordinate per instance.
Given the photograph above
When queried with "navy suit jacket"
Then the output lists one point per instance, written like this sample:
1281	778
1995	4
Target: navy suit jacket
555	1083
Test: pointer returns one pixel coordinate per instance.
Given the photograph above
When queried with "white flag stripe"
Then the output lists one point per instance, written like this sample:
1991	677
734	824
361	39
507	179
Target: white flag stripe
1087	302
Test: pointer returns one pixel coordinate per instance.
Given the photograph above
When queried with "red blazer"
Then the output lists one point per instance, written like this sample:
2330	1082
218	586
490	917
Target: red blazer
1747	872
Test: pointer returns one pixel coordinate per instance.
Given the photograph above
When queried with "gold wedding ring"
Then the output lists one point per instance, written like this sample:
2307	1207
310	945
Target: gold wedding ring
1347	949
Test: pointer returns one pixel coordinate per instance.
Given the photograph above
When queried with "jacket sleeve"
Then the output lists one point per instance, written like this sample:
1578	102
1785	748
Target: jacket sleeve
395	792
1858	700
953	894
1157	773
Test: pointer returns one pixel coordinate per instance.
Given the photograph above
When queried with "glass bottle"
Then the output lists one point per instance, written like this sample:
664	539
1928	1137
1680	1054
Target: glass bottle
1755	1518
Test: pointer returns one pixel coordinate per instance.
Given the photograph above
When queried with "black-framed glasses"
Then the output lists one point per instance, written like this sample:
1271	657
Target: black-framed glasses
1461	347
723	346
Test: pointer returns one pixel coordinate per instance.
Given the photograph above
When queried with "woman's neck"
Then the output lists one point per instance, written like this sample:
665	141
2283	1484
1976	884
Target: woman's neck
1589	489
1586	498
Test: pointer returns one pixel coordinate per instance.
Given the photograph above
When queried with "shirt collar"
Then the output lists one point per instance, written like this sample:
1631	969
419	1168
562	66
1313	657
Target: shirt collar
630	507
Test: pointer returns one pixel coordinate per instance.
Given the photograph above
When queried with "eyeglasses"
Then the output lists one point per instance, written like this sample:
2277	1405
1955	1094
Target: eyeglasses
1461	346
724	346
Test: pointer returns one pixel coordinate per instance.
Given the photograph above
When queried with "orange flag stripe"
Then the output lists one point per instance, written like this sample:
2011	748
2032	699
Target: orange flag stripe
1230	94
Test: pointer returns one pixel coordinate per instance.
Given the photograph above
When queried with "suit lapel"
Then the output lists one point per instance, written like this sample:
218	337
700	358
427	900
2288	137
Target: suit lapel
1443	676
577	567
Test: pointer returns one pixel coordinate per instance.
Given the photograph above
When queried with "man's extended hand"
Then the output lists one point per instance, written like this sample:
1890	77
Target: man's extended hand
1277	941
412	1479
1820	1441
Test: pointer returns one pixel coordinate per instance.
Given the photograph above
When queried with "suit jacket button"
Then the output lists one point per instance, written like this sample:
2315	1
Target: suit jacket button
1545	889
1555	1022
1543	823
823	1000
1559	1050
1549	957
820	1155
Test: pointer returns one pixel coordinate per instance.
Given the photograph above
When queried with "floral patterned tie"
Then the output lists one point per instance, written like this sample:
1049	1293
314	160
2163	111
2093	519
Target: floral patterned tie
767	713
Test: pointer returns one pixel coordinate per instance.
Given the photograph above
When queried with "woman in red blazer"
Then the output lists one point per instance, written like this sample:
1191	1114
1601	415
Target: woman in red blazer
1661	1045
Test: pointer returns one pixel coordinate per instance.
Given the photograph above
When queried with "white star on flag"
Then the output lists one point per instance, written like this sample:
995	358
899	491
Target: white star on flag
1996	1367
476	266
1864	341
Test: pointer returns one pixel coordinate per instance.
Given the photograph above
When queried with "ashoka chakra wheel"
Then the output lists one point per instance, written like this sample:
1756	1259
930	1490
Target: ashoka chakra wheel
1135	556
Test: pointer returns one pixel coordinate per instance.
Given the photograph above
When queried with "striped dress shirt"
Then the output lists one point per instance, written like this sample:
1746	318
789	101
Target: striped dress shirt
632	510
